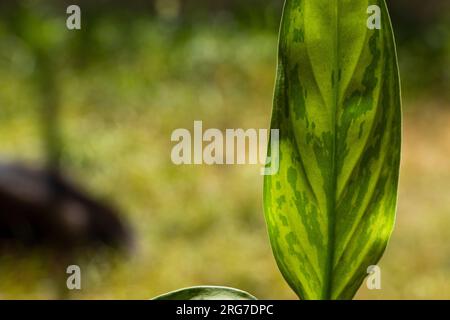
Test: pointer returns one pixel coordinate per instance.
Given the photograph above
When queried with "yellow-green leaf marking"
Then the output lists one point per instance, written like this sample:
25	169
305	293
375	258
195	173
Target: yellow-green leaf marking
330	209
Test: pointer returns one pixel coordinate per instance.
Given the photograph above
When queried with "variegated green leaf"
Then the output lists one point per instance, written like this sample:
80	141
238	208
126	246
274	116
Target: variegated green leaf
206	293
330	209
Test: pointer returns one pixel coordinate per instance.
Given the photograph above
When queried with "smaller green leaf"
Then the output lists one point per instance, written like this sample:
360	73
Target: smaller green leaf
206	293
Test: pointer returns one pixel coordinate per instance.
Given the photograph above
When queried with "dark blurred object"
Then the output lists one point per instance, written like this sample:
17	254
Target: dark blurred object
42	207
418	11
422	30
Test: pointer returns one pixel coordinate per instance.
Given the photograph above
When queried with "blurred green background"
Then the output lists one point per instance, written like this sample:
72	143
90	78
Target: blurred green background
140	69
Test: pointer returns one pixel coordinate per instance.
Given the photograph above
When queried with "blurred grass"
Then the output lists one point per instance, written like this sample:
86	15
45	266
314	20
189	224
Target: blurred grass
194	225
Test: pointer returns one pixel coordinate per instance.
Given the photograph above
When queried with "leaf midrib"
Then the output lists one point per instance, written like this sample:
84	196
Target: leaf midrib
328	288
